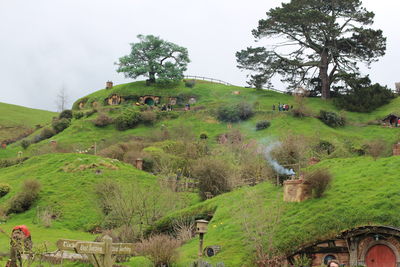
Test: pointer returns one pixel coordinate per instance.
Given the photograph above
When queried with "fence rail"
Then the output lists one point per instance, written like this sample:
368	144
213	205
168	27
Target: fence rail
225	83
207	79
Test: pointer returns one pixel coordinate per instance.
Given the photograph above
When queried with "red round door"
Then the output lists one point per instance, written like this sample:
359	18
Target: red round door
380	256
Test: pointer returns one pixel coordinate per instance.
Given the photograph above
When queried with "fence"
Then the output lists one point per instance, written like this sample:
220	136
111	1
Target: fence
226	83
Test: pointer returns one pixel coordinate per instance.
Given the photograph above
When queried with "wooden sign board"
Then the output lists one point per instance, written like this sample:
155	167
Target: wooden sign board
122	248
67	244
91	247
94	247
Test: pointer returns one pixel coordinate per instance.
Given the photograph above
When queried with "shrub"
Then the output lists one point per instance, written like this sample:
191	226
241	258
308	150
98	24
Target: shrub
203	136
376	148
331	119
66	114
102	120
362	96
4	163
90	112
262	125
319	181
4	189
25	198
245	110
213	175
25	143
160	249
235	113
78	115
148	117
60	125
113	152
190	83
127	120
325	147
46	133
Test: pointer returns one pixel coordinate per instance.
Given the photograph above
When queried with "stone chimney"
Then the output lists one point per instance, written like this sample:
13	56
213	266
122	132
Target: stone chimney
296	190
396	149
139	164
109	84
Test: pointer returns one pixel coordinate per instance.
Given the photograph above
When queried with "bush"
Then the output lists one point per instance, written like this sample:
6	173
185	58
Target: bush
102	120
127	120
23	200
66	114
148	117
190	83
25	143
362	96
325	147
262	125
113	152
78	115
60	125
376	148
213	175
90	112
4	189
331	119
160	249
319	181
235	113
46	133
203	136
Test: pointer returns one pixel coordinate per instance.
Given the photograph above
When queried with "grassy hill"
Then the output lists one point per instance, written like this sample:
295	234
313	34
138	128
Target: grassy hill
363	191
16	120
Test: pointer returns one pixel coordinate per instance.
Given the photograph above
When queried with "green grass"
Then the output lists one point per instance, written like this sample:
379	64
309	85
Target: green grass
15	120
363	192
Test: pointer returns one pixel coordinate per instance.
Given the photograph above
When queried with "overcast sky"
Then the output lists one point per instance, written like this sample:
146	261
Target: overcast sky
49	44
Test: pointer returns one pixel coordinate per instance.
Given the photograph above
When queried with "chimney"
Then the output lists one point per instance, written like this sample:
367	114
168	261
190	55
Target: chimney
296	190
139	164
396	149
109	84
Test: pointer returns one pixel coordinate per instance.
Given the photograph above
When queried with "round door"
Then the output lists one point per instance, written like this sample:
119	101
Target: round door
380	256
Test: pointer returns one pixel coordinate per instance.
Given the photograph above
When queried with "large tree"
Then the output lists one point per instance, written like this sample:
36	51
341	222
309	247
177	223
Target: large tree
313	39
154	58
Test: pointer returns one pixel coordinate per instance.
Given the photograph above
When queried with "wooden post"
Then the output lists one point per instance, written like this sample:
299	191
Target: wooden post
201	236
107	261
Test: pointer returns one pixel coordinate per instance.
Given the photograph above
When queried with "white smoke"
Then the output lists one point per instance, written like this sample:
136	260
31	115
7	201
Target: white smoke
277	167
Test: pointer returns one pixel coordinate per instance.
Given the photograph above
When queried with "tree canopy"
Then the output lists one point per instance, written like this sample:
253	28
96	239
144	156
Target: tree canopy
154	58
313	39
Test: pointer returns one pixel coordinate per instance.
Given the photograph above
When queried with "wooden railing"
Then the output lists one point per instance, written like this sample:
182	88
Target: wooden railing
225	83
207	79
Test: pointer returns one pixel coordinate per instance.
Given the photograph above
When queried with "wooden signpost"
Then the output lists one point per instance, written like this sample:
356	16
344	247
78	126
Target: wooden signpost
99	253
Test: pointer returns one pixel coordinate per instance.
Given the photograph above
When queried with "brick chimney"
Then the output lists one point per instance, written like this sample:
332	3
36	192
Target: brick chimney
296	190
109	84
139	164
396	149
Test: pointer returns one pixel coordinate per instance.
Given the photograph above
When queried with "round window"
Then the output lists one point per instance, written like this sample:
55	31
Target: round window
328	258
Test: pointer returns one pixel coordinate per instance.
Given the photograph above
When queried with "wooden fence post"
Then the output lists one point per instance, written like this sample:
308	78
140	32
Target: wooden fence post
108	262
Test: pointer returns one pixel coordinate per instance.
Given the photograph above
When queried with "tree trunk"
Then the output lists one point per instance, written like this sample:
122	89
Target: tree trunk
152	77
323	75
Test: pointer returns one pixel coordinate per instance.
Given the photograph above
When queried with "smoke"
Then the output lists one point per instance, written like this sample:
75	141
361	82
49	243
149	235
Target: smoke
277	167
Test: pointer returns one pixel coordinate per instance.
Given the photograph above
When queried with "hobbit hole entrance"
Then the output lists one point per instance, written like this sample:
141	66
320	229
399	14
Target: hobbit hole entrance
380	256
149	101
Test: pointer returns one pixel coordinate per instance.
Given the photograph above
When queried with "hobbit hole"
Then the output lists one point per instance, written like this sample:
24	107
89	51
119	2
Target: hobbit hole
114	100
371	246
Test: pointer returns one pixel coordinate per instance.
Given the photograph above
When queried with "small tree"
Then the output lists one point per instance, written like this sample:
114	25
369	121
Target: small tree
153	57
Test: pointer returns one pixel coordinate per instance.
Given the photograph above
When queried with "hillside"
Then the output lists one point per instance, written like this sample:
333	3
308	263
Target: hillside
16	120
363	192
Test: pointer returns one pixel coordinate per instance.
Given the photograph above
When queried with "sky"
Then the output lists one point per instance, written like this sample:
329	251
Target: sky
48	45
